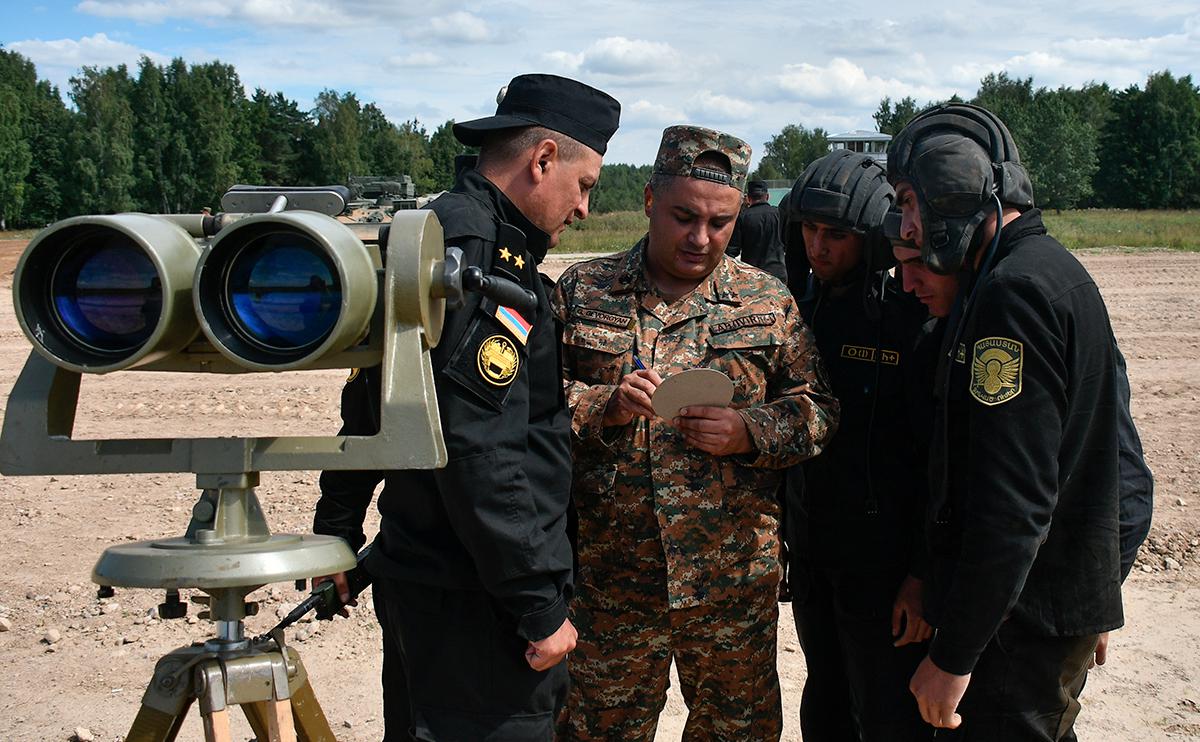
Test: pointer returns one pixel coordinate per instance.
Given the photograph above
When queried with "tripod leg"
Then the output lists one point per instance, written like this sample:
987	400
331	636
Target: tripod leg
310	719
152	725
216	726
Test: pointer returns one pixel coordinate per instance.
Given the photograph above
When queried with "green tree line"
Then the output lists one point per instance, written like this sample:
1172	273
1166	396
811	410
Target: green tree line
172	138
1094	146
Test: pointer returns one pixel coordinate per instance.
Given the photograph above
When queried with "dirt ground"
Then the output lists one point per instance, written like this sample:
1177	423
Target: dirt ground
52	529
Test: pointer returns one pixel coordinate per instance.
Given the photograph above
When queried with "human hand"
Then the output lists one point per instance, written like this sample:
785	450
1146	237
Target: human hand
546	653
720	431
909	608
1101	651
938	693
342	588
631	398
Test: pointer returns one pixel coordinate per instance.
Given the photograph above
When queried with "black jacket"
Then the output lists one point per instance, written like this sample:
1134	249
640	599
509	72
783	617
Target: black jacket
1023	516
861	501
757	241
495	517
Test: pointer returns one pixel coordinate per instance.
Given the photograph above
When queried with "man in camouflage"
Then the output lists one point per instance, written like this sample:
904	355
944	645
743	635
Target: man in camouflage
678	519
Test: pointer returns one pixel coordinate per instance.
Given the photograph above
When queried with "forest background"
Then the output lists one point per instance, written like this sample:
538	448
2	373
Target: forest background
172	138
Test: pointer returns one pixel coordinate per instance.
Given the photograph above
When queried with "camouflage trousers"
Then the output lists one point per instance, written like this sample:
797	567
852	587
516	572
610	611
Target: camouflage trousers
724	653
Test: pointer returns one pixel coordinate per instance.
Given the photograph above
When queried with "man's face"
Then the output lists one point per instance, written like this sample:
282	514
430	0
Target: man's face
910	214
933	289
691	221
832	251
561	196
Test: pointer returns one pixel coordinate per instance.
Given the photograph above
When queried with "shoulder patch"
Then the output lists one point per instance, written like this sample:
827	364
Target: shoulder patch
996	370
486	362
604	318
738	323
498	360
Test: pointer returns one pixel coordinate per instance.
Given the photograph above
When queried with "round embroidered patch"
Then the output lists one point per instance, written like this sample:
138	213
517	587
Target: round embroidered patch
498	360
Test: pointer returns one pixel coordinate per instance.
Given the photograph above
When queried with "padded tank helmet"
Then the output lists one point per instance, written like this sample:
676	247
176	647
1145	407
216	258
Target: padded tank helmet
959	159
846	189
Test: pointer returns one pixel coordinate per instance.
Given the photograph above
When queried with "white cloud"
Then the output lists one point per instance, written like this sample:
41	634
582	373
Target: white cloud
564	61
844	83
312	14
619	57
709	106
70	54
643	112
417	60
461	27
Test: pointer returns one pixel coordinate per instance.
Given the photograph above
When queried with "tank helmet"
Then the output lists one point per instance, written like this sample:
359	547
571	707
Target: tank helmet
959	159
845	189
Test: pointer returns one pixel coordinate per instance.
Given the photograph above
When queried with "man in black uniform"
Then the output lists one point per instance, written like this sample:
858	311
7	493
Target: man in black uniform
853	513
756	238
1022	521
472	565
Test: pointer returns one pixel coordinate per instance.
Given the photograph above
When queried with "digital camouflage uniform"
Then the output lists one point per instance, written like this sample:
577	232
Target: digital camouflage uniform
678	549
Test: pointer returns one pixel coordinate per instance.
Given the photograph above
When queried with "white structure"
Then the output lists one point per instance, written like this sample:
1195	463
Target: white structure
869	142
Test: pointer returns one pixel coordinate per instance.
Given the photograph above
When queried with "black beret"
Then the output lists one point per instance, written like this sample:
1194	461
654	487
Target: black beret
587	115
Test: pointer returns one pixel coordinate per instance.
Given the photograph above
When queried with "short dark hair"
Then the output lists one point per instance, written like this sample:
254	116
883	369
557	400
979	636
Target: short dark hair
505	145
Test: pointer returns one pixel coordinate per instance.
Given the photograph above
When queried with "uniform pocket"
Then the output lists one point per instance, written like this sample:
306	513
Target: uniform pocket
595	354
747	357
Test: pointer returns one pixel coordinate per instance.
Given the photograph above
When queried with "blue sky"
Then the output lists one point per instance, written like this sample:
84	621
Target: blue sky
748	69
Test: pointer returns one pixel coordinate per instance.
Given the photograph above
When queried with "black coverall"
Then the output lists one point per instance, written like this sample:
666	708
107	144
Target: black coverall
854	512
756	239
472	561
1022	522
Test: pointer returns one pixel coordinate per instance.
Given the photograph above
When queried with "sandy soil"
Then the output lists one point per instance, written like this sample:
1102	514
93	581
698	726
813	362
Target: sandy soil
52	529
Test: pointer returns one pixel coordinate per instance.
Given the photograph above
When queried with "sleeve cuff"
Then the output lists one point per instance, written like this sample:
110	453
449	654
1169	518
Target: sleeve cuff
763	456
956	660
588	418
541	623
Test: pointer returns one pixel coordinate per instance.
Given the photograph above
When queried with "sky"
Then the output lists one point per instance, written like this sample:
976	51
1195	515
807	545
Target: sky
744	68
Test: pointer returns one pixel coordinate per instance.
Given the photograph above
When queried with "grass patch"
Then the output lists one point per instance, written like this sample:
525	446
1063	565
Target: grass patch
610	232
1082	228
18	234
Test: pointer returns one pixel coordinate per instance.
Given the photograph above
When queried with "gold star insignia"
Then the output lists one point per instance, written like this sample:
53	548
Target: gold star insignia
505	254
520	261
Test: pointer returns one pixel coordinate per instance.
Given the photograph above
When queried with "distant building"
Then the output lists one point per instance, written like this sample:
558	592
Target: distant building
869	142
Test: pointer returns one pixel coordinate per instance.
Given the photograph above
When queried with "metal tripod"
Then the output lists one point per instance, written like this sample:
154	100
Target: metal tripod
263	676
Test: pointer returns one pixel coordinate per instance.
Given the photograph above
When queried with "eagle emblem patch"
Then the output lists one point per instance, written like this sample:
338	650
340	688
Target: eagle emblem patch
498	360
996	370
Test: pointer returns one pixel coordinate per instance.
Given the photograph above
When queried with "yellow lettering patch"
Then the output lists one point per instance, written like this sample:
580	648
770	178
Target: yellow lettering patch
864	353
498	360
996	370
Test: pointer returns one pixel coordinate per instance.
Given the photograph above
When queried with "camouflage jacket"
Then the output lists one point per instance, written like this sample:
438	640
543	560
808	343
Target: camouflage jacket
643	495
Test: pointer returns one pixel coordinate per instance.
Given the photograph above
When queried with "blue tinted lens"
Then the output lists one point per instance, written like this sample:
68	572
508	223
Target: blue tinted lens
108	297
284	292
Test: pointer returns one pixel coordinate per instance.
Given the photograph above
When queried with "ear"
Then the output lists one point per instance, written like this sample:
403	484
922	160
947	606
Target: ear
648	197
542	159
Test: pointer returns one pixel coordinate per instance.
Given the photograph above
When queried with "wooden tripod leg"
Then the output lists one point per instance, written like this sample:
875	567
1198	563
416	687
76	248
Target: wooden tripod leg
216	726
305	713
311	723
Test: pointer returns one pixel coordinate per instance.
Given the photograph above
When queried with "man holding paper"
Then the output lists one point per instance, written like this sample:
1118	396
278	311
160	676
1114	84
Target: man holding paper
678	518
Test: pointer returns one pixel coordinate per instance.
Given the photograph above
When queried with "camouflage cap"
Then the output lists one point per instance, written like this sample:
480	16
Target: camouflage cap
681	145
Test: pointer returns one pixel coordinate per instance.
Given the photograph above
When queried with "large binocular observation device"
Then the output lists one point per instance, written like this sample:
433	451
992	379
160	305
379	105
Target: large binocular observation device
273	282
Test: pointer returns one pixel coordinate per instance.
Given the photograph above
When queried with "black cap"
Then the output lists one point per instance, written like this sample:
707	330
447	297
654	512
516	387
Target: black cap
757	188
587	115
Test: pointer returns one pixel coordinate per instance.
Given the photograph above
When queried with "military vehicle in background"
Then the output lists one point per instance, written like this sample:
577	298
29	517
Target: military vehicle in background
374	198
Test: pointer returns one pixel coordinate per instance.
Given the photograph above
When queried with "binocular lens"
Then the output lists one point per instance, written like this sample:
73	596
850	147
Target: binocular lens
108	297
283	292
